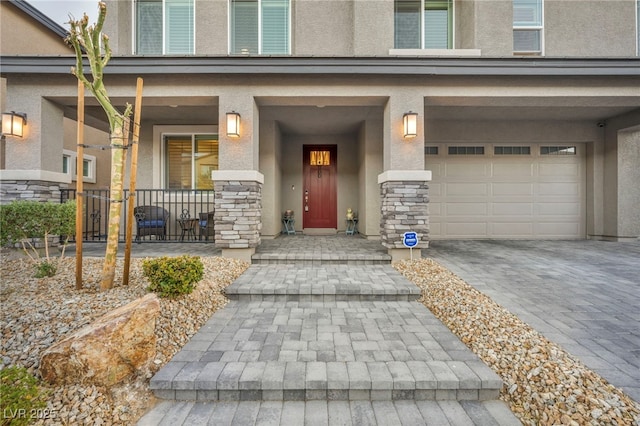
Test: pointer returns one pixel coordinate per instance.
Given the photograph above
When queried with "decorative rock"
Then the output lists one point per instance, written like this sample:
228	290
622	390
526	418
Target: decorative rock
107	351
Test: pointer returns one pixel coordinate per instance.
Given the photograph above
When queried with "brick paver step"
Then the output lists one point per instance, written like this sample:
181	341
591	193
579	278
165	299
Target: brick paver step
344	413
322	283
336	350
314	251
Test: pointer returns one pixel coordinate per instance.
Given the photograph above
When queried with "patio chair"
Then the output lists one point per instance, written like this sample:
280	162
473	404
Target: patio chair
206	225
151	220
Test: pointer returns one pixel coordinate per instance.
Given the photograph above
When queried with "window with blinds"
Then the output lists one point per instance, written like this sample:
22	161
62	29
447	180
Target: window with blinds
423	24
189	160
527	26
165	27
260	27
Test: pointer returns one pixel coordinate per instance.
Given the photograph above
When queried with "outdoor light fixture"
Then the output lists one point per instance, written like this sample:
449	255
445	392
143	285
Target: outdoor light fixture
233	124
13	123
410	124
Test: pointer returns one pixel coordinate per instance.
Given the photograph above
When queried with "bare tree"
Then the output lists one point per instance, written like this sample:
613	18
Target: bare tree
89	38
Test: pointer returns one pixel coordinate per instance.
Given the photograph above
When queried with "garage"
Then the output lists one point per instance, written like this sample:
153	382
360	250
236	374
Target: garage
507	191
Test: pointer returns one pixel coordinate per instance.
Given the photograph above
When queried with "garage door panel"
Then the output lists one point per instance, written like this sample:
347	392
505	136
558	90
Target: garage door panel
435	229
559	188
559	209
435	168
466	209
511	188
467	188
512	209
517	196
558	169
466	229
557	229
435	189
520	169
512	230
465	170
435	209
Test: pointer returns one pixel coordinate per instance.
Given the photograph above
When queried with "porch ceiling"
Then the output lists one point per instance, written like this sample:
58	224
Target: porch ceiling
321	119
340	115
553	108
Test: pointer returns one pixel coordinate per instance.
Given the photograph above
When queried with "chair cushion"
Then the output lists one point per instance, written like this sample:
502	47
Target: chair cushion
156	223
203	223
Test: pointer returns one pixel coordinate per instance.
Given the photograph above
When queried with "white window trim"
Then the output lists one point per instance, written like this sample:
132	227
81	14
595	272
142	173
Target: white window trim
159	132
259	29
532	28
73	162
437	52
134	26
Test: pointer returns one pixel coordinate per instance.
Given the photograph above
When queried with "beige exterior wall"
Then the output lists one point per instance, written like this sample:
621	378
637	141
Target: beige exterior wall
577	28
590	28
14	24
621	190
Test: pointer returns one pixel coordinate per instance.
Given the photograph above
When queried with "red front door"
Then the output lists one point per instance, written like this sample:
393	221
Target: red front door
319	197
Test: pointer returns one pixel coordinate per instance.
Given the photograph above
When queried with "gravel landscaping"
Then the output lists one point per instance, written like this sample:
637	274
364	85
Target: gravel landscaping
544	384
37	312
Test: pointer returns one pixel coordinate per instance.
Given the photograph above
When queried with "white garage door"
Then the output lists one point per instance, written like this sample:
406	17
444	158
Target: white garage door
499	191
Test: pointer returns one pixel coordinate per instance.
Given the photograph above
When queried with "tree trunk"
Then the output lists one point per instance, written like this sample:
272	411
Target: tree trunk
115	208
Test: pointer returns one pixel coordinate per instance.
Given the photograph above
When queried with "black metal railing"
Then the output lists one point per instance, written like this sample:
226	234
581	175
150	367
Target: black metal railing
161	215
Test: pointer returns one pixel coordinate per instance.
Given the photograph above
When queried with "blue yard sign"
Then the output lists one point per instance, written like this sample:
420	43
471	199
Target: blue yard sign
410	239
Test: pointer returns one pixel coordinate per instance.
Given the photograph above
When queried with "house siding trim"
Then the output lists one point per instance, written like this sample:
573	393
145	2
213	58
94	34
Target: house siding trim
337	66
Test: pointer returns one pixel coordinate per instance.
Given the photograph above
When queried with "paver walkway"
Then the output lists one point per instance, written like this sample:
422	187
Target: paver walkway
582	295
322	339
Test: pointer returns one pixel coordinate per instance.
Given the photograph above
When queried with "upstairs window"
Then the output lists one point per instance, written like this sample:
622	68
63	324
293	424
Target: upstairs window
423	24
165	27
527	27
259	27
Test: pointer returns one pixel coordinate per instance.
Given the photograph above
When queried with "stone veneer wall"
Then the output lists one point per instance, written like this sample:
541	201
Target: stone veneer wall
30	190
238	215
404	209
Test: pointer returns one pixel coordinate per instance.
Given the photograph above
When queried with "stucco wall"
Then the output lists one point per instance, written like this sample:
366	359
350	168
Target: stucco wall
23	35
323	28
493	27
370	166
590	28
270	167
621	189
579	28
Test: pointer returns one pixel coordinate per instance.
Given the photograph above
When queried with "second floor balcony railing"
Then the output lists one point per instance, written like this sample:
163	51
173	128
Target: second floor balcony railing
161	215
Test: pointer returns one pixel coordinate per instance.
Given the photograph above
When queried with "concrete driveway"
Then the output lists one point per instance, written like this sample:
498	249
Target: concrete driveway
582	295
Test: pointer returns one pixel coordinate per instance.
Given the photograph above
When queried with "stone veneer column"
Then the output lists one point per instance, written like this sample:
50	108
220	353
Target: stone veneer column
31	185
238	212
404	197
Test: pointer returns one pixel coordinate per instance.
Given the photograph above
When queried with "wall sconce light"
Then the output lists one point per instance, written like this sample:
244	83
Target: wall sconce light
13	123
410	124
233	124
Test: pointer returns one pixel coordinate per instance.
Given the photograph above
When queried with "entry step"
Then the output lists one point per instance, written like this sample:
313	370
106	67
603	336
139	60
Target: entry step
343	413
322	283
341	350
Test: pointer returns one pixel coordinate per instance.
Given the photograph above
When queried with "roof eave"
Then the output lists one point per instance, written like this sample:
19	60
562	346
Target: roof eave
150	65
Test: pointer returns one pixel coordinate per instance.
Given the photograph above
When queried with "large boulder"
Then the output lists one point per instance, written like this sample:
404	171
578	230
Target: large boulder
108	350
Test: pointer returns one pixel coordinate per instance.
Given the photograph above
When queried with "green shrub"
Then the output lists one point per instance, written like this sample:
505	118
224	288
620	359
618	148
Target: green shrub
25	221
173	276
22	399
45	269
